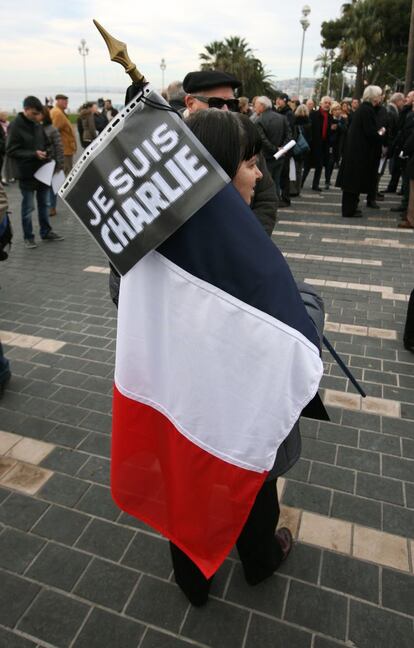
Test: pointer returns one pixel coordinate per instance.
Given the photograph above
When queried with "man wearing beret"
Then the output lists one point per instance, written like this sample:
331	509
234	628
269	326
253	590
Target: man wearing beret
215	89
62	123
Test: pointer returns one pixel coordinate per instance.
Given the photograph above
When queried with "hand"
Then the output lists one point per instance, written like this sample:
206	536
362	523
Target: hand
41	155
334	126
381	131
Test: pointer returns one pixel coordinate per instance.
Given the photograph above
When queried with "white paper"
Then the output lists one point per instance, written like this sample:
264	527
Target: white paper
45	173
57	181
292	170
284	149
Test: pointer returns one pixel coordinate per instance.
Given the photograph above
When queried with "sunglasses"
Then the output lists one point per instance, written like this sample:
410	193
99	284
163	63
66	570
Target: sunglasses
218	102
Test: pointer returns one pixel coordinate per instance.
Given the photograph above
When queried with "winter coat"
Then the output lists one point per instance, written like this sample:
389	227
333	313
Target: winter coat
408	150
359	167
62	123
318	145
56	146
264	203
86	127
274	132
25	137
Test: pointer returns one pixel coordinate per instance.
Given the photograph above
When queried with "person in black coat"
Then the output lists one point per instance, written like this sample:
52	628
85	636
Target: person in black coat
28	144
321	121
359	168
335	135
274	132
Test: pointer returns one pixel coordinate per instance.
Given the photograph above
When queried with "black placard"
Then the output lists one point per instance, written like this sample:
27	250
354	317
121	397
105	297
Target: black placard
140	181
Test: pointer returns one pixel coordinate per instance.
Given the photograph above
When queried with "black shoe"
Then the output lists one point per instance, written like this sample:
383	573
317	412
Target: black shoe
373	205
380	197
399	208
317	189
357	214
284	203
390	191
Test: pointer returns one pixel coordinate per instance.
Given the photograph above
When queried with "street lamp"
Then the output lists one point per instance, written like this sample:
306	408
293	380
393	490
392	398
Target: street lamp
84	51
163	65
331	56
305	24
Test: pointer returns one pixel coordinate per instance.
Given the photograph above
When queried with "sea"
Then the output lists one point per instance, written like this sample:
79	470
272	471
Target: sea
11	99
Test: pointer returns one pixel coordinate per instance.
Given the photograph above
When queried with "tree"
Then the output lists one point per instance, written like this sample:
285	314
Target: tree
235	56
371	35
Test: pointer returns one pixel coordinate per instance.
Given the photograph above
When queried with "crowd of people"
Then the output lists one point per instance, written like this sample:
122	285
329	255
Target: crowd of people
328	137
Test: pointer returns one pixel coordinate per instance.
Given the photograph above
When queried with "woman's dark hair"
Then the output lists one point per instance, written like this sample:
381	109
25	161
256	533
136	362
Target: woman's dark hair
46	116
229	137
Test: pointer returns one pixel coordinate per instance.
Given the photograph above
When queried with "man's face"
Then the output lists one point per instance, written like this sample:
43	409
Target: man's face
199	100
259	108
326	104
108	105
355	104
409	100
62	103
400	103
310	104
280	103
33	114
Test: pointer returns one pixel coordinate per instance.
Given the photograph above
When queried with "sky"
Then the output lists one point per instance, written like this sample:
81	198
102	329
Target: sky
39	43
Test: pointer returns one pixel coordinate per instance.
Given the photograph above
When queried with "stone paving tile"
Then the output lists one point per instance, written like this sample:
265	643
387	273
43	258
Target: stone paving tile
21	512
371	626
16	595
105	539
25	478
325	532
107	584
61	524
62	489
382	548
105	630
218	625
58	566
171	605
317	609
54	618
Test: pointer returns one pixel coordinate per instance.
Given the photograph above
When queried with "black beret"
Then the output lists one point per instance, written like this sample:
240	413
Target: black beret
206	79
284	96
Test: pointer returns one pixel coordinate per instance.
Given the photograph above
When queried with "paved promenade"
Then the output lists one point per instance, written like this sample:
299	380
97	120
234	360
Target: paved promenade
78	573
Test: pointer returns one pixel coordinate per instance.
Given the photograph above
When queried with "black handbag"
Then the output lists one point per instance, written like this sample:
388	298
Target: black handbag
301	147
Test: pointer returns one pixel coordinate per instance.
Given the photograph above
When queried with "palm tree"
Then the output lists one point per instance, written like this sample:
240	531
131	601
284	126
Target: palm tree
363	30
234	55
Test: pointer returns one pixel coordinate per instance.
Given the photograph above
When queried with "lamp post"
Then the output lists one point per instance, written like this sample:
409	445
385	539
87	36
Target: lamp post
331	57
305	24
163	65
84	51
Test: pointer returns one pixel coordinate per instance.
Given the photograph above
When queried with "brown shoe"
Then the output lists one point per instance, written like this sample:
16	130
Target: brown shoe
52	212
285	540
405	224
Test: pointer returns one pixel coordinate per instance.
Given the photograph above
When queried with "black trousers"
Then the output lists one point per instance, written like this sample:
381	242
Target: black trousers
322	162
349	203
259	550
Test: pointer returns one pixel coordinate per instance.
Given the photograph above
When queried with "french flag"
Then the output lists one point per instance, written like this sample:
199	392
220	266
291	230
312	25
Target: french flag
216	359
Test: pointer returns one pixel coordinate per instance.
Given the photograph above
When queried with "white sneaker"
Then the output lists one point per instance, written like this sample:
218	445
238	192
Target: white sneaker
30	243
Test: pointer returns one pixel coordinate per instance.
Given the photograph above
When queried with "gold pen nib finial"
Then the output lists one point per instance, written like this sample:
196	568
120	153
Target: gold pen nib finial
118	53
